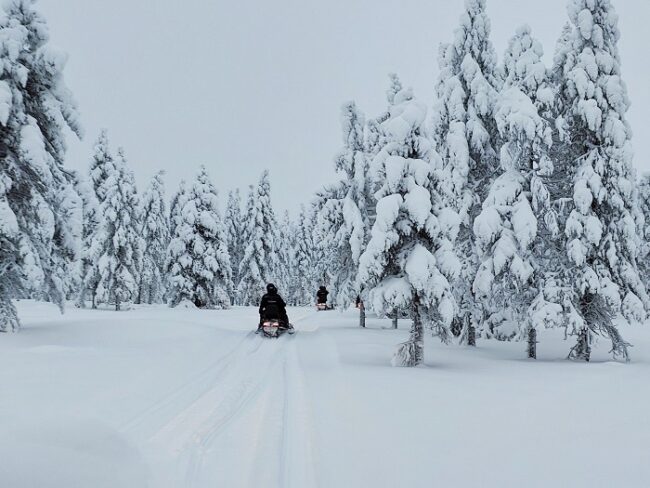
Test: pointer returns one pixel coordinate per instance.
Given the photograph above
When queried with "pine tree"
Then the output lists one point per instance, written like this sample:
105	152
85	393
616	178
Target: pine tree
234	226
198	260
409	259
115	243
343	216
259	264
36	234
643	224
288	282
93	194
516	230
466	137
154	242
602	245
307	274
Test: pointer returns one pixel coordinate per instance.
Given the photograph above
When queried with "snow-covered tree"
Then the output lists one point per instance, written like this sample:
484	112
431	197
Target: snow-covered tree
306	257
409	260
198	261
343	219
288	277
37	235
115	243
644	229
601	235
234	222
517	225
102	165
466	136
93	194
259	264
154	241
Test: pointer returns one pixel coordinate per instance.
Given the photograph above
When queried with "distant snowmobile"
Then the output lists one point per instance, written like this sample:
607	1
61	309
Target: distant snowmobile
274	328
321	299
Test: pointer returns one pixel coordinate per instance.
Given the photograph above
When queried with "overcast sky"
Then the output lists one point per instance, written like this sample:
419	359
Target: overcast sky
241	86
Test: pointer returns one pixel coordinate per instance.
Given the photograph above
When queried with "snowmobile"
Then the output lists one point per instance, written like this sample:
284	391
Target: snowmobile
324	306
274	328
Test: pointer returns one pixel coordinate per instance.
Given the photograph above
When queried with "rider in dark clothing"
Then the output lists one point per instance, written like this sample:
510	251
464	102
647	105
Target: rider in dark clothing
321	295
273	306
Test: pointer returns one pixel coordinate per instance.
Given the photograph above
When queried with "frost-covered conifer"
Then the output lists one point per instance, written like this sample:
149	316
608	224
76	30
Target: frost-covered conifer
93	194
234	222
466	136
602	241
115	243
260	263
343	217
409	259
154	241
288	277
36	234
175	207
198	261
307	279
101	166
643	223
517	225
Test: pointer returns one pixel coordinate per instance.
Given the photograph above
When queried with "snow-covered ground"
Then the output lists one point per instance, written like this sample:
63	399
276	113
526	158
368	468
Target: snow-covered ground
186	398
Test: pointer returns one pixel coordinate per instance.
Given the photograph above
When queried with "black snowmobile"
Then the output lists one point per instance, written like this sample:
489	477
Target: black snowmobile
321	299
274	328
273	314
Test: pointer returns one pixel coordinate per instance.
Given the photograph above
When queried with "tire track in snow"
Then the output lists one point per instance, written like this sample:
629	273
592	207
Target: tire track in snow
250	394
176	400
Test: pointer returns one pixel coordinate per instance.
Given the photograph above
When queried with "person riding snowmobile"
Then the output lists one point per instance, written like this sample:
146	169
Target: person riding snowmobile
273	307
321	295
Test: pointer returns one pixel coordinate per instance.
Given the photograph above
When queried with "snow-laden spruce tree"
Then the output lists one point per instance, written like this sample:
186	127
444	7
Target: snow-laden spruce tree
90	221
602	240
154	241
643	223
101	165
409	260
198	261
176	205
466	136
36	107
259	264
287	278
93	193
517	227
343	218
306	258
234	221
115	243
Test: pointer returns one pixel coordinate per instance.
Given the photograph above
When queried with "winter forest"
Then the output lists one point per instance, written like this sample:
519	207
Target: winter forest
501	206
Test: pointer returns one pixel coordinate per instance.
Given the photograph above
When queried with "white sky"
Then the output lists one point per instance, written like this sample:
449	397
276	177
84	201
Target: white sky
246	85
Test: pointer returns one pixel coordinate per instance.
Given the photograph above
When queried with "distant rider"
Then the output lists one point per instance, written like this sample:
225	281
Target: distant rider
273	307
321	295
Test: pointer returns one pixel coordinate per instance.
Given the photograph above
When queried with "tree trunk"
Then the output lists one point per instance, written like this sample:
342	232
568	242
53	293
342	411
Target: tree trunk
471	334
532	343
582	350
362	315
411	353
395	320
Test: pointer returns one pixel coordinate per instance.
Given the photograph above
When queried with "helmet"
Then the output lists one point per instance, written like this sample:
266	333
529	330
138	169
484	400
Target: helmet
271	288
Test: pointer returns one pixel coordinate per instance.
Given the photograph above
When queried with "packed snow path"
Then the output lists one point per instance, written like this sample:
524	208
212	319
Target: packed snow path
155	397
